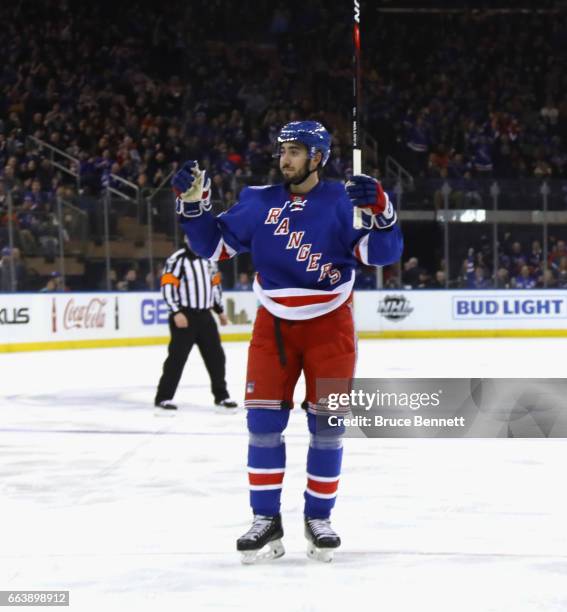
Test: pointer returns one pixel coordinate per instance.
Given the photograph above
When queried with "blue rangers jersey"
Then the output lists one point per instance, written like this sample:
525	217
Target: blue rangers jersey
303	247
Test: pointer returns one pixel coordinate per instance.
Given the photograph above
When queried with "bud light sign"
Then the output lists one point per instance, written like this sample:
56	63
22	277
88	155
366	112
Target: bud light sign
154	312
529	306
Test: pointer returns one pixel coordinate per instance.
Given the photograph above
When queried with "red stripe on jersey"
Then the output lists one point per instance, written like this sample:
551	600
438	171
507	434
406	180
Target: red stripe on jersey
304	300
323	487
357	253
266	479
224	254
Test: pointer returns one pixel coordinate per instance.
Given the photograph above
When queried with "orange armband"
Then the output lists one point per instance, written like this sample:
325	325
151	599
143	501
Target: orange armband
169	279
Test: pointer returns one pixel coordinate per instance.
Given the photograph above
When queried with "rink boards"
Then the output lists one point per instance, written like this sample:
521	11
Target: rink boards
81	320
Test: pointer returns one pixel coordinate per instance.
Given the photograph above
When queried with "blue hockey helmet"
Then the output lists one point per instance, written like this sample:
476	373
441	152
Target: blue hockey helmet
312	134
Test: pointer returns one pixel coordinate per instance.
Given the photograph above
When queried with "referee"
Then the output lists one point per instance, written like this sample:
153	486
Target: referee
191	287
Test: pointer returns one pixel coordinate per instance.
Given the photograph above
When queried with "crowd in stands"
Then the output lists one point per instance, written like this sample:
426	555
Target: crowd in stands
456	96
520	265
16	275
472	95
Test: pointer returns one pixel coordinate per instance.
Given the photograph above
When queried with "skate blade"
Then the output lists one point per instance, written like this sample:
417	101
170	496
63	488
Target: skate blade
223	410
161	413
272	550
323	555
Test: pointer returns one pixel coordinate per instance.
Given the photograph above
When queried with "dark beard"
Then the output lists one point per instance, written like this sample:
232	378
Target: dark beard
300	176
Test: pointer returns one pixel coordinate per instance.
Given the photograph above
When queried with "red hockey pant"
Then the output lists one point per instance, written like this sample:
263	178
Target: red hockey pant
323	347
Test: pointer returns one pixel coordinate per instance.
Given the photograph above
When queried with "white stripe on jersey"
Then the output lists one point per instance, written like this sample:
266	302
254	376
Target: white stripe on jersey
192	284
363	249
308	311
195	288
218	251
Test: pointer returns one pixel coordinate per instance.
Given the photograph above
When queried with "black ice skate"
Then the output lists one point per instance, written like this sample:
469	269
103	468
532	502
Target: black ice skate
165	407
321	539
226	406
262	542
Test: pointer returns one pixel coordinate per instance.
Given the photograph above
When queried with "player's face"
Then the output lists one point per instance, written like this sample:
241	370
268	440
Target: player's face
294	162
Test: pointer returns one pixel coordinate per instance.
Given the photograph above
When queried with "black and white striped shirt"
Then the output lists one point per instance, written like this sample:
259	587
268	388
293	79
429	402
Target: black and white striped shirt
191	282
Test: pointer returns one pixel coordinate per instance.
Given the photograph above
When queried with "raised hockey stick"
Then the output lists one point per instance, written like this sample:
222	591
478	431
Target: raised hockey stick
356	147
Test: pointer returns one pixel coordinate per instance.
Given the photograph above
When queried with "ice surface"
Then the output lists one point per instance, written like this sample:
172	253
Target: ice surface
130	511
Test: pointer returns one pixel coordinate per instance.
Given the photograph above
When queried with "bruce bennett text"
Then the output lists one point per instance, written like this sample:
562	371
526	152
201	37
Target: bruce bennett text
377	420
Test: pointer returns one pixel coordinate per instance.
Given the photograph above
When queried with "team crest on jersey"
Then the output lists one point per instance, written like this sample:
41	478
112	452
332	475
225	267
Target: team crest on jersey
297	202
295	240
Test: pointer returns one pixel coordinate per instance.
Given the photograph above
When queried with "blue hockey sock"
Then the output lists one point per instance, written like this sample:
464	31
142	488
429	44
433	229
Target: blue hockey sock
266	468
266	459
324	459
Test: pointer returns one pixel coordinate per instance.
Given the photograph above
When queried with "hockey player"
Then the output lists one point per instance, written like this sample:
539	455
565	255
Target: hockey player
304	248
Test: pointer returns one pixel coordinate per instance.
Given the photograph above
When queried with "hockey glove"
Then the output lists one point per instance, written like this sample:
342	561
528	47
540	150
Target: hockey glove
193	190
366	193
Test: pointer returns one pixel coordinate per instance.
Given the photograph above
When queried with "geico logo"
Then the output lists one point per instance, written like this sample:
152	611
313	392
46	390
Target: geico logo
154	312
14	316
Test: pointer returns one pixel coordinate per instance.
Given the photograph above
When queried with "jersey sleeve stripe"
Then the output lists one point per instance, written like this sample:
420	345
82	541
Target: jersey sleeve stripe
361	250
223	251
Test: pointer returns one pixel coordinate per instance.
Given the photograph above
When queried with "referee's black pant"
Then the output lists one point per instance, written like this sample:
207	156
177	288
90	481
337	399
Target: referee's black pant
203	332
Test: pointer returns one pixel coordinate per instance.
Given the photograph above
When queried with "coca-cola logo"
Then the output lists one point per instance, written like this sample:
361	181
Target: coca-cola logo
89	316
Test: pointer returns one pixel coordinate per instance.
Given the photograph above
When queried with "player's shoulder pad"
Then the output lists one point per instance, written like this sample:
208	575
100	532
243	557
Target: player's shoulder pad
258	193
259	186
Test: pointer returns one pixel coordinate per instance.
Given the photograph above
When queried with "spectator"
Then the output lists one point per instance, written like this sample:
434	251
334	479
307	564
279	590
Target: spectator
480	280
243	283
28	227
550	112
440	280
5	220
13	273
49	236
468	269
517	259
410	275
547	280
524	280
423	279
471	190
559	250
439	161
131	282
535	258
562	273
502	279
418	142
392	283
474	270
54	283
